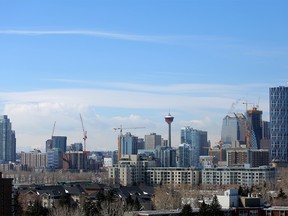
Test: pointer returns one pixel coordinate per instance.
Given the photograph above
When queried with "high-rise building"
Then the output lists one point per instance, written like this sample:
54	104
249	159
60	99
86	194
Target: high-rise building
254	123
7	140
152	141
129	144
265	141
279	123
34	159
59	142
166	156
233	130
197	139
185	155
54	159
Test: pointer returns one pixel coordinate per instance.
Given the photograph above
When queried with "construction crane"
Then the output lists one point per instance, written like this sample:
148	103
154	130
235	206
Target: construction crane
210	153
119	137
220	148
84	133
51	142
248	127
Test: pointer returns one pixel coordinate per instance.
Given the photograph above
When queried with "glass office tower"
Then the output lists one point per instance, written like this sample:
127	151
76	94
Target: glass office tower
279	123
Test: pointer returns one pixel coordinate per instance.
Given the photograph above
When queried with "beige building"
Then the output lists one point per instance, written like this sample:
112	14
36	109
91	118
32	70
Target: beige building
172	175
34	159
131	170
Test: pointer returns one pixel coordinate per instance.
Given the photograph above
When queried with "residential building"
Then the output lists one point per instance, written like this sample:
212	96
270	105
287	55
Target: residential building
172	175
7	140
34	159
242	175
130	170
279	123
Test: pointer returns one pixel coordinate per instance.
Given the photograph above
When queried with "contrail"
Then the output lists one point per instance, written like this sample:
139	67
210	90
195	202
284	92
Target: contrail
131	37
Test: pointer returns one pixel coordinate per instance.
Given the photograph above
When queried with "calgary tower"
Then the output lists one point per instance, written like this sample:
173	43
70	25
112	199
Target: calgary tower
169	119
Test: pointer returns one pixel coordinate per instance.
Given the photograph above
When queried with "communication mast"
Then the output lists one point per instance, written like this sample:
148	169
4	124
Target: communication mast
84	133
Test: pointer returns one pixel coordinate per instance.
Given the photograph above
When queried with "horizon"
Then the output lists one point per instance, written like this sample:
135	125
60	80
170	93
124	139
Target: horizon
130	64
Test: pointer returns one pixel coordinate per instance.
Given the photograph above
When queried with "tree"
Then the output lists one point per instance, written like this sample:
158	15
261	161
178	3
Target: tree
215	208
186	210
204	209
37	209
171	196
281	194
18	211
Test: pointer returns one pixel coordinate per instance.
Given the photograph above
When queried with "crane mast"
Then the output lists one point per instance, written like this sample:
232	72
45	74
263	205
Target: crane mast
51	142
119	138
84	133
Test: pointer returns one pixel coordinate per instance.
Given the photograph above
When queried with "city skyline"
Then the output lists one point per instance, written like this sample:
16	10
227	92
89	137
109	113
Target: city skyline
130	64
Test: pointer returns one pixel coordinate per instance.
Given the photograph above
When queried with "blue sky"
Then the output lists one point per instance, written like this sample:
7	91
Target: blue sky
131	62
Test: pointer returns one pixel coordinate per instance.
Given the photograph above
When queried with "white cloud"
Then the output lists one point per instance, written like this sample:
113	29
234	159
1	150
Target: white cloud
33	112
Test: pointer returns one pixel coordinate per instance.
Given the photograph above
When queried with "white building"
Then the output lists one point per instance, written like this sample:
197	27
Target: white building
245	175
172	175
229	199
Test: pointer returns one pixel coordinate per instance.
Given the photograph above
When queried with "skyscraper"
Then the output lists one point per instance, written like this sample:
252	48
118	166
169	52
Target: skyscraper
197	140
59	142
129	144
254	122
279	123
152	141
7	140
233	130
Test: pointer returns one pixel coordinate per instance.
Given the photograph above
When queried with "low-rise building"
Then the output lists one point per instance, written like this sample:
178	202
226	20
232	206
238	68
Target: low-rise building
241	175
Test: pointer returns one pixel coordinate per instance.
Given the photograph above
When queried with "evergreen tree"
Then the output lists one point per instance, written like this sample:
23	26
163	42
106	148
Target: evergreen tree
186	210
281	194
204	209
215	207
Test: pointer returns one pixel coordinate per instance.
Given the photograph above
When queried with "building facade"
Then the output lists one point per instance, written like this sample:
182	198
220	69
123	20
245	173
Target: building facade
152	141
197	140
34	159
7	140
254	122
244	175
279	123
233	131
129	144
172	175
185	155
166	156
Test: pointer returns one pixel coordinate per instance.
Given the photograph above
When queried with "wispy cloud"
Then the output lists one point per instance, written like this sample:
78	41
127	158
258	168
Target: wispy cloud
115	35
102	109
112	35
